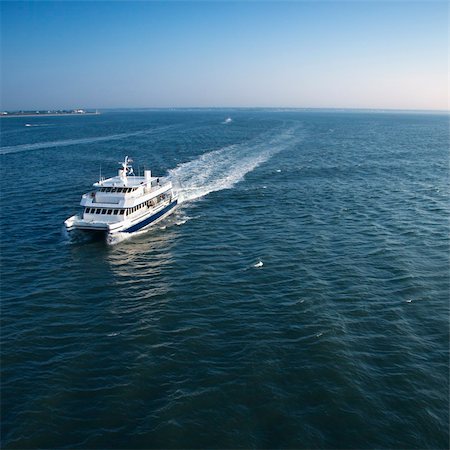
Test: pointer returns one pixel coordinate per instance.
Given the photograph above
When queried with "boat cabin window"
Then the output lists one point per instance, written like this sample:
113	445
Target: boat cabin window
117	189
136	208
114	212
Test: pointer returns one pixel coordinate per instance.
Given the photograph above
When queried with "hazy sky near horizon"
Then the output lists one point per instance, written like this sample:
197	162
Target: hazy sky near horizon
334	54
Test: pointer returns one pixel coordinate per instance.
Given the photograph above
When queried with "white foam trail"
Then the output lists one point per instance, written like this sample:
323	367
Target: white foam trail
223	168
63	143
117	238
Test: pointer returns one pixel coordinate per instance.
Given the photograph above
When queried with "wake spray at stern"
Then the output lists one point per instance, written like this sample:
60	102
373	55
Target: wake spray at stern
223	168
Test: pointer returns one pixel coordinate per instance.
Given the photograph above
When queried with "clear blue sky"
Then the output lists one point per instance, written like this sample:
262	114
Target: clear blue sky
365	54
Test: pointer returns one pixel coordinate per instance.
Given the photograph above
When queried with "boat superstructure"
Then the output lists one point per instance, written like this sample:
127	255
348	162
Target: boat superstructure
125	203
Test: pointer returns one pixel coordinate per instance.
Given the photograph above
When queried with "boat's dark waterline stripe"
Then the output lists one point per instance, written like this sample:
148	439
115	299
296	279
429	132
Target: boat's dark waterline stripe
151	219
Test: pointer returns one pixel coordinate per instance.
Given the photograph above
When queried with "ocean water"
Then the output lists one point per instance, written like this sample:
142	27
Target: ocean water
298	298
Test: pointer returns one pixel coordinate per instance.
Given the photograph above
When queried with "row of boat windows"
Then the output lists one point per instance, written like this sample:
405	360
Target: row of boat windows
104	211
105	189
115	212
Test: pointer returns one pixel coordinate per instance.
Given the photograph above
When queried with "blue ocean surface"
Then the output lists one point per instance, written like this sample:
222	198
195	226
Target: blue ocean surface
297	298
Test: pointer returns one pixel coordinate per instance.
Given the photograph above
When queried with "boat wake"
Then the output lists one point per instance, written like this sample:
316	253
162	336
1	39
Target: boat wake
117	238
223	168
66	142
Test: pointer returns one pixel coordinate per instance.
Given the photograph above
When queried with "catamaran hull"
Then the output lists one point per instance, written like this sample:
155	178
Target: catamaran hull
152	219
74	223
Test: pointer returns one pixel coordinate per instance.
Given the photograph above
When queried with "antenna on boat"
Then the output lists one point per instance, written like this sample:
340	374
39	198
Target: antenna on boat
100	174
126	169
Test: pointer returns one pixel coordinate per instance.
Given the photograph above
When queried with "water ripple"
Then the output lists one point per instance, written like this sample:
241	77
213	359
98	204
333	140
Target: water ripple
174	339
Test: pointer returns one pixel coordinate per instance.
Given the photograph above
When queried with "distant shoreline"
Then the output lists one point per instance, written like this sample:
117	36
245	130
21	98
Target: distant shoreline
49	114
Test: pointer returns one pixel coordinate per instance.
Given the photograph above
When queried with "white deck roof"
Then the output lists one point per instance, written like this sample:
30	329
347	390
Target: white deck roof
129	181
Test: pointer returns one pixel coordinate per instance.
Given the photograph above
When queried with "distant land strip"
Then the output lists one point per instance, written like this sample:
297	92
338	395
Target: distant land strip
74	112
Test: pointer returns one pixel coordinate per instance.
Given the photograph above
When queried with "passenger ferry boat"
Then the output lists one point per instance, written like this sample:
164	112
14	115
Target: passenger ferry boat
124	204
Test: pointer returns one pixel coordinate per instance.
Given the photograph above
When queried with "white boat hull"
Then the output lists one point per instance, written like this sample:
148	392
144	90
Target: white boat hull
126	226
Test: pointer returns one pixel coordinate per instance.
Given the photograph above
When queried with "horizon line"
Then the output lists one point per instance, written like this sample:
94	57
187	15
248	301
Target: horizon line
288	108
